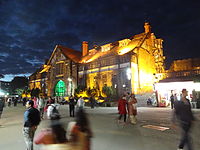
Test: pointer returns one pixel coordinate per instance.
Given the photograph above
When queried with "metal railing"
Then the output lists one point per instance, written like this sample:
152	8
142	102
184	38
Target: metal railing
187	73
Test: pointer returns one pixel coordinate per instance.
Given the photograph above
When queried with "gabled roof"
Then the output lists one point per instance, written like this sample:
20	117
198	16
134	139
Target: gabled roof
72	54
133	42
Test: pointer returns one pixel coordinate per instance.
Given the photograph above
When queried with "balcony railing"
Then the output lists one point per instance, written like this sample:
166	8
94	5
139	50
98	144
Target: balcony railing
187	73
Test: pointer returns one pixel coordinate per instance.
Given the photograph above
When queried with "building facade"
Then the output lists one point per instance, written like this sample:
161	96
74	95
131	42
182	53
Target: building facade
184	68
133	64
183	73
59	76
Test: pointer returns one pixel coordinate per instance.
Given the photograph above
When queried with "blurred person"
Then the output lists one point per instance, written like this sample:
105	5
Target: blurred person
183	113
9	101
49	101
71	106
24	101
149	101
172	99
41	104
52	110
92	102
194	99
34	99
53	137
80	103
132	109
81	133
122	103
31	121
175	97
55	133
128	95
15	100
1	107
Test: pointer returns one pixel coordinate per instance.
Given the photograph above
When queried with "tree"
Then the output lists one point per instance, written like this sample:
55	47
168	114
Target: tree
1	76
109	92
35	92
19	91
19	83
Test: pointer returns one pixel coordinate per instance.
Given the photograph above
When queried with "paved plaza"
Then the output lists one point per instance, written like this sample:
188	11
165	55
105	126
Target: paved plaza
108	135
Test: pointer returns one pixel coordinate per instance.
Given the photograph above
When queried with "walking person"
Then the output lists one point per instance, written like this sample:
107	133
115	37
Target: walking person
53	137
24	101
122	103
9	102
31	121
132	109
52	110
175	97
1	107
92	102
35	99
80	103
71	106
185	117
15	100
172	99
81	133
41	104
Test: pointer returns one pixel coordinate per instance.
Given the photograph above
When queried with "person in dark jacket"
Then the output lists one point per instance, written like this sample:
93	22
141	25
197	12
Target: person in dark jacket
31	121
185	117
122	108
71	106
92	102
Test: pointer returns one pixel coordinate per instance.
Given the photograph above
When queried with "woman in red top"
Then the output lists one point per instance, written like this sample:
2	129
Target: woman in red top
122	108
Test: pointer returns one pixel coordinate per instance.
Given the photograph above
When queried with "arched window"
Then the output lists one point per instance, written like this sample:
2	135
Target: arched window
60	88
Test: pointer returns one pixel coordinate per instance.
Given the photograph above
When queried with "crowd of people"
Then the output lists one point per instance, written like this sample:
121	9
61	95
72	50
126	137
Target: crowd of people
55	136
78	133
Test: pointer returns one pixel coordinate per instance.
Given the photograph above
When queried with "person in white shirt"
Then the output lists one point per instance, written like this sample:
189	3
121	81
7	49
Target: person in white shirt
41	104
80	103
50	109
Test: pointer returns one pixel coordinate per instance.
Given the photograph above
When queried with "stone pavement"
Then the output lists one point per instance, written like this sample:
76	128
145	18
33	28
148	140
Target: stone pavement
107	134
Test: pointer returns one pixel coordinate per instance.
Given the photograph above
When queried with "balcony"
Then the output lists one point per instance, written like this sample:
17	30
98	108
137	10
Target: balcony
187	73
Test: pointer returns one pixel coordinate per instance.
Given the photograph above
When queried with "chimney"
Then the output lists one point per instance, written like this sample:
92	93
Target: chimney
84	48
147	27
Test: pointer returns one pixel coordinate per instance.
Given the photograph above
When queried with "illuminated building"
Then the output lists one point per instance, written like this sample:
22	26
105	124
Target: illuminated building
133	64
58	77
183	73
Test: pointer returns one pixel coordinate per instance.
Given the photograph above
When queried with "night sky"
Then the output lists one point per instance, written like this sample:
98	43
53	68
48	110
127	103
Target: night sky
30	29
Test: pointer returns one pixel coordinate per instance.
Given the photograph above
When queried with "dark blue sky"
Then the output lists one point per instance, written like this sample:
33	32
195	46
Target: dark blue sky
29	30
